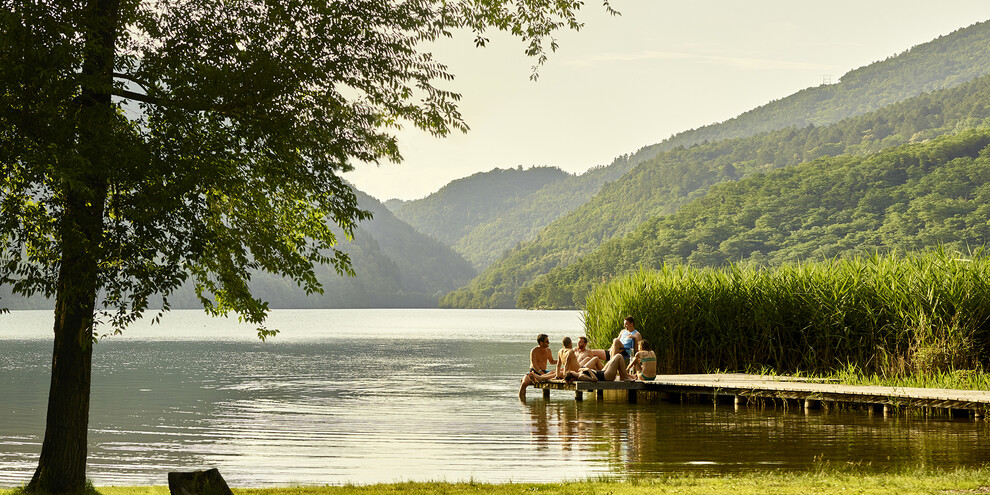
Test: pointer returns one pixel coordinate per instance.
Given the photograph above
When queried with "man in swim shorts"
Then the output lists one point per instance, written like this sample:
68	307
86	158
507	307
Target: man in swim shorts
538	359
566	358
616	368
590	358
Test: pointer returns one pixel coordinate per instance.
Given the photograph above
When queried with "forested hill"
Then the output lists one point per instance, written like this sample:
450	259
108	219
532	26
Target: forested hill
909	198
450	213
488	241
941	63
932	65
395	266
661	185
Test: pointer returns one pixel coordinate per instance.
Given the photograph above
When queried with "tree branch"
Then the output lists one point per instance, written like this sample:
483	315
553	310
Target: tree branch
144	84
123	93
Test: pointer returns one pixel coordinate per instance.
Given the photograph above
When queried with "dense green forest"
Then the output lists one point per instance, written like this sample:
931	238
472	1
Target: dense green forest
947	61
664	177
901	200
395	266
662	185
488	241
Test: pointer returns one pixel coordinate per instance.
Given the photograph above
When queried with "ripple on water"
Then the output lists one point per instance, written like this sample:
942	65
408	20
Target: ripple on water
420	399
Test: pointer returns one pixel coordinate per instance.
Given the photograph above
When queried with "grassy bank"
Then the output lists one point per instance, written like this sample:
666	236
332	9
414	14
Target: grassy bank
885	317
959	481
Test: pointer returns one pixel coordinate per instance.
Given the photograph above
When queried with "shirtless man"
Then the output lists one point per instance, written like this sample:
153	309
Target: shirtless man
589	358
616	368
538	359
567	358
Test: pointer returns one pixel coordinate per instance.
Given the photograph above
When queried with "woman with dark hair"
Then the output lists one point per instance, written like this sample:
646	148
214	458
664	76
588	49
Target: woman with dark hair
644	363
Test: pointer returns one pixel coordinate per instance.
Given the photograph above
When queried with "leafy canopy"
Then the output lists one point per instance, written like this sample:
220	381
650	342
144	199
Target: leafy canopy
231	122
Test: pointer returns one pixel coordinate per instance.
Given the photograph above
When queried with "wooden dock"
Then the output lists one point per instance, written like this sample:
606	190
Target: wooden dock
743	388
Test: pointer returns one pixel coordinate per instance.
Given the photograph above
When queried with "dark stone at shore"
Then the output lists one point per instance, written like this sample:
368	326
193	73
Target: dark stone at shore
207	482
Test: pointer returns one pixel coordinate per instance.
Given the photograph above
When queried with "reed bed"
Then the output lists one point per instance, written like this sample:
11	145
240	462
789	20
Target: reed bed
891	317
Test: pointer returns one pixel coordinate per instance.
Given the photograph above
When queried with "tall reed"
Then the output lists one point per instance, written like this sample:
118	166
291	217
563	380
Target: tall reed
886	314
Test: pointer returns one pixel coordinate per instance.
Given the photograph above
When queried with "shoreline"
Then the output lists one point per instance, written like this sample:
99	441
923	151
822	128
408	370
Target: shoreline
829	479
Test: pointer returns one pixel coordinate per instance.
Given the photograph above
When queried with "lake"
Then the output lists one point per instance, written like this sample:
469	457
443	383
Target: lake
364	396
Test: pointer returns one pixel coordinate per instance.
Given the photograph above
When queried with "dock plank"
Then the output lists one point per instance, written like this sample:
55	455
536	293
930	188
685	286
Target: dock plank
760	386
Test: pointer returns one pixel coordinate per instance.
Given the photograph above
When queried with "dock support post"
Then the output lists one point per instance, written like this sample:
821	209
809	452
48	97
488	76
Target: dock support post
600	395
632	396
546	394
958	413
578	396
810	404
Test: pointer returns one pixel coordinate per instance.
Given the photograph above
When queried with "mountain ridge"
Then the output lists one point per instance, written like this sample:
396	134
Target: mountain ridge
592	223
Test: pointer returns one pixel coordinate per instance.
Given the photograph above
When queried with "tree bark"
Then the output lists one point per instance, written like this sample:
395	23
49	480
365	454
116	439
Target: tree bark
62	465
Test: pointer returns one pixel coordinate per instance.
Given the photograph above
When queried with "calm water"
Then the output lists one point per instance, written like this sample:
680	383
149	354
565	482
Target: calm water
364	396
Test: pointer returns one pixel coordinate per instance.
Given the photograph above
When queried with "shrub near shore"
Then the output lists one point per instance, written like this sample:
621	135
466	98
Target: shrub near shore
894	316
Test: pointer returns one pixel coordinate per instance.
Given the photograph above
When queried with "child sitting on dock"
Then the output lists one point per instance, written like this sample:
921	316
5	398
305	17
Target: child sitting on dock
644	364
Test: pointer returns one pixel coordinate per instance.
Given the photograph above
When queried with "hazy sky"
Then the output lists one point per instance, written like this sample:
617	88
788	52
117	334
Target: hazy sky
662	67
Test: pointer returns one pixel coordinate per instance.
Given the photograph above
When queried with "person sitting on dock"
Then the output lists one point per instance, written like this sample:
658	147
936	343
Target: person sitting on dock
627	343
566	359
590	358
629	337
644	364
616	367
538	359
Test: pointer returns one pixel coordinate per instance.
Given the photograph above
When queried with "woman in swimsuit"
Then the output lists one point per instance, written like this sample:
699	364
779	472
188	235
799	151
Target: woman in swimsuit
644	363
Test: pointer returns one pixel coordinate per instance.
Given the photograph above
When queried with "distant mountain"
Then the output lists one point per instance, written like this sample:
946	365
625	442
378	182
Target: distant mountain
452	212
663	184
395	266
945	62
394	204
488	241
909	198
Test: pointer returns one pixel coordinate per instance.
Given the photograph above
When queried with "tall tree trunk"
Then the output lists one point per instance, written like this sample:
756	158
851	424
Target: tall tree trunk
62	465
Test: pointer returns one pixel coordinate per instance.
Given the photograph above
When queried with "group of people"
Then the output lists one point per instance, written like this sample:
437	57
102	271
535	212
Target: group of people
629	358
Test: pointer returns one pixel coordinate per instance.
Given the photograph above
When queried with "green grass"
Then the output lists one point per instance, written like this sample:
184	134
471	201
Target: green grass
825	481
918	318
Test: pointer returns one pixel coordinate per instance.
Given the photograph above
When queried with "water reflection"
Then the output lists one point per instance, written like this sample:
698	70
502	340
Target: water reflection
647	439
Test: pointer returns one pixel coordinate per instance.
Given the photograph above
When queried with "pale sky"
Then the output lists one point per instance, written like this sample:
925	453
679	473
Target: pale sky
662	67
